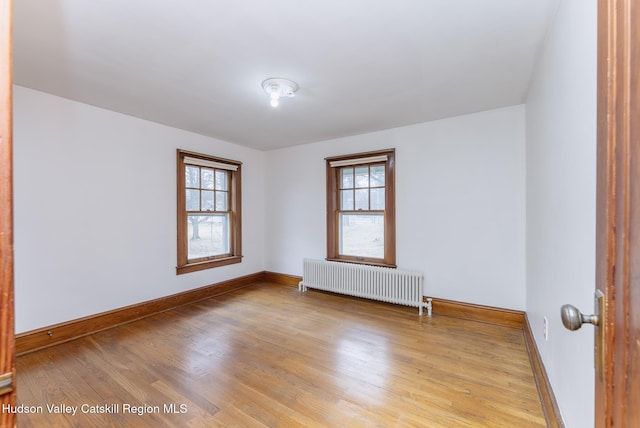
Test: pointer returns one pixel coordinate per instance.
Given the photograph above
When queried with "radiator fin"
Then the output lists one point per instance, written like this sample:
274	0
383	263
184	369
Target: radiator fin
403	287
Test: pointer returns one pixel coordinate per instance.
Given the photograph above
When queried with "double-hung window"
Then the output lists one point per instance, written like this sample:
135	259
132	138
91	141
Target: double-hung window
209	214
361	208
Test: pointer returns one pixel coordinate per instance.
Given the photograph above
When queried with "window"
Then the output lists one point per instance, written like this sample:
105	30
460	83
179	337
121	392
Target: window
361	208
209	221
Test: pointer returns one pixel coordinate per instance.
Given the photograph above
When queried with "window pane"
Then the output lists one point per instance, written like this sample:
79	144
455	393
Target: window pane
346	198
193	200
208	235
362	176
221	201
377	199
207	200
362	235
347	178
207	178
192	176
362	199
377	176
221	180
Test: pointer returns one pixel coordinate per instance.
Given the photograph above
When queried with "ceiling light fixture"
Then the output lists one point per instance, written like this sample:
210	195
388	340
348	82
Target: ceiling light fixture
277	87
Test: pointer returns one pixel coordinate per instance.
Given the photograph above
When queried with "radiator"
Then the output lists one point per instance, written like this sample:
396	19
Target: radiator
398	286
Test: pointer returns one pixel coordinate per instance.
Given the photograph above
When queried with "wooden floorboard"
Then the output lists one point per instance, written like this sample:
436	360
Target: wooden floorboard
268	355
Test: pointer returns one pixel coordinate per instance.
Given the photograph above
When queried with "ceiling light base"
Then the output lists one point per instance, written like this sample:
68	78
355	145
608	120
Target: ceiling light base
278	87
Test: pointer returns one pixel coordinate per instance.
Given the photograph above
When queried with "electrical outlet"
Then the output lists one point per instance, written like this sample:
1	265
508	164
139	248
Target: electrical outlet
545	328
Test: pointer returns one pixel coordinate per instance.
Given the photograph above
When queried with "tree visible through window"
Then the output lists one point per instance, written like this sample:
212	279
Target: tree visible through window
360	208
209	222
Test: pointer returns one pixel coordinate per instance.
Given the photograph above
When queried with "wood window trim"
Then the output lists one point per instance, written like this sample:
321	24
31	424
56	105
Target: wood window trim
333	205
235	187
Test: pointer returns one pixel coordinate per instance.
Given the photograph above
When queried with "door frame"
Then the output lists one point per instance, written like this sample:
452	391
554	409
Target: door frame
7	329
618	211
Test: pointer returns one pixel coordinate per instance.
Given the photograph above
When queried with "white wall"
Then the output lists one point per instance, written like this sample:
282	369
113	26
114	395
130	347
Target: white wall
460	204
95	209
561	167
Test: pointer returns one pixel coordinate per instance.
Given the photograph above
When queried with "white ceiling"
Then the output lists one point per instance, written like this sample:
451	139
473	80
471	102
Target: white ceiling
362	65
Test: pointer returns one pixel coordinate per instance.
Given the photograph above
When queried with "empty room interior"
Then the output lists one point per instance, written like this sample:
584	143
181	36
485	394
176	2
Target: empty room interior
232	213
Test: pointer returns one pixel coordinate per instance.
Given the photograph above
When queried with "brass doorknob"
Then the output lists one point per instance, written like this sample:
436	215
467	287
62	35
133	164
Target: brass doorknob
573	319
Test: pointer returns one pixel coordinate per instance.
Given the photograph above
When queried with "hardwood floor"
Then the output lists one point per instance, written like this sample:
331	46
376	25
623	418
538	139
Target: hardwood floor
267	355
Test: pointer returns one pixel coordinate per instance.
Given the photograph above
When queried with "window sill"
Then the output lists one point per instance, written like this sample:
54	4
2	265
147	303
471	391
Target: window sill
193	267
363	262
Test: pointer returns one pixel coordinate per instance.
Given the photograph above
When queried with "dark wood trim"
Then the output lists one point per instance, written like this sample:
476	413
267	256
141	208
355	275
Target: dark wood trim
181	237
194	267
390	213
358	262
617	393
547	397
236	207
70	330
7	342
605	195
282	278
490	314
358	155
333	208
235	191
206	157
